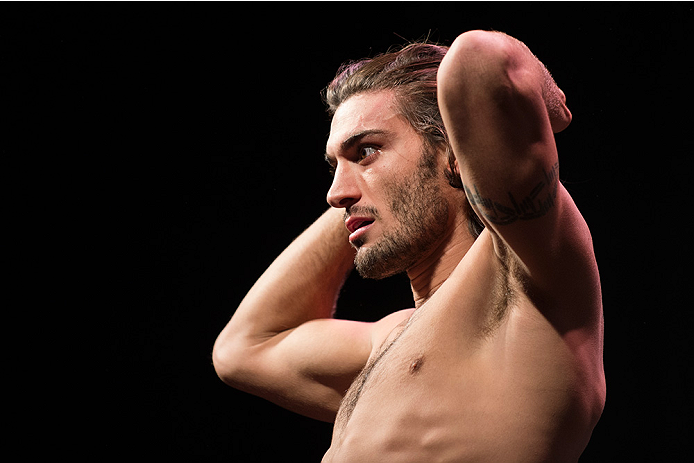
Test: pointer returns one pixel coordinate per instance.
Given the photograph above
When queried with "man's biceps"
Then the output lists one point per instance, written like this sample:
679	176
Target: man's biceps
328	343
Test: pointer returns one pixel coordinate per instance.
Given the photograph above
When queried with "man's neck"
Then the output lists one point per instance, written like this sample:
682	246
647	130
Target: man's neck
431	272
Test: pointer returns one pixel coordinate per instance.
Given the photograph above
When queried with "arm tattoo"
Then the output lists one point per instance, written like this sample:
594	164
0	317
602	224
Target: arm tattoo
536	204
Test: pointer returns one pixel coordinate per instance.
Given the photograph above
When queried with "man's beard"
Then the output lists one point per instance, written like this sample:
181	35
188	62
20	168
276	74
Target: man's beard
422	214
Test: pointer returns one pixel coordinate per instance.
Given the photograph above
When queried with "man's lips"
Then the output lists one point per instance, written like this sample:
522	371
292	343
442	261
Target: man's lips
357	226
354	223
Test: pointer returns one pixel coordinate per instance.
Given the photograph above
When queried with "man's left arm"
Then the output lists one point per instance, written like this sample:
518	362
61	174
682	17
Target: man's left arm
501	109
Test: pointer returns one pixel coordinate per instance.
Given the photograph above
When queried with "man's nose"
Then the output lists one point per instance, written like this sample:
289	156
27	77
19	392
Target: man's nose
344	192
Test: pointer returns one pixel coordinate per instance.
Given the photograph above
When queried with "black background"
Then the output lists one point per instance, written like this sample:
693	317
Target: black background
175	149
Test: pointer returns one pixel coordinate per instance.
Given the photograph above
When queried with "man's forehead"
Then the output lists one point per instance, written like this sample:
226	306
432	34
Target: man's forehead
361	113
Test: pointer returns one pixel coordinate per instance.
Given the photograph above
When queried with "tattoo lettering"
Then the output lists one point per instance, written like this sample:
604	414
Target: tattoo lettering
536	204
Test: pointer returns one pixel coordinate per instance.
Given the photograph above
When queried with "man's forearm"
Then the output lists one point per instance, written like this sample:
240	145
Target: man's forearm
301	284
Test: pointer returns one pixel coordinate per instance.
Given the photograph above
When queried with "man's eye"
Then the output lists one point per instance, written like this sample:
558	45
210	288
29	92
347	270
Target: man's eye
367	151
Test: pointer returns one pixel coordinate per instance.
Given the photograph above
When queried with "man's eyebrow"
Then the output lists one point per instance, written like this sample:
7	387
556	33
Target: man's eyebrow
353	140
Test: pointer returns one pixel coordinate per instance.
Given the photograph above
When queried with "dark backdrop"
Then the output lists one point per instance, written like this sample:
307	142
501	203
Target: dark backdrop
187	140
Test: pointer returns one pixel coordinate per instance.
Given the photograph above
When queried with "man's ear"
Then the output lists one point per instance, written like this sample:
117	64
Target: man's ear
454	166
453	172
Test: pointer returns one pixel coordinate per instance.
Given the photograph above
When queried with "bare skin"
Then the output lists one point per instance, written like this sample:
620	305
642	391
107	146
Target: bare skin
501	359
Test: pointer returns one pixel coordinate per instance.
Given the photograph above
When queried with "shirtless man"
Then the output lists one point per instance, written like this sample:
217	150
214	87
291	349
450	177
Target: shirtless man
501	358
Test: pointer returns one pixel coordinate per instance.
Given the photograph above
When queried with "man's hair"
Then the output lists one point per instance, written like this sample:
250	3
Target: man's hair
411	73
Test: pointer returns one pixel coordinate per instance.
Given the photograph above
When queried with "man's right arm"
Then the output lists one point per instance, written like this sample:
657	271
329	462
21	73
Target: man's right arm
281	343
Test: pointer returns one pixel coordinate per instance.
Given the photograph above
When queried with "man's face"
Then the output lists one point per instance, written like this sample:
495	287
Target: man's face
388	184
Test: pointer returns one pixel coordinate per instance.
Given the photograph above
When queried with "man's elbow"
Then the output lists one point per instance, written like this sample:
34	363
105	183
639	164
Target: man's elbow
219	360
488	44
227	359
475	52
478	61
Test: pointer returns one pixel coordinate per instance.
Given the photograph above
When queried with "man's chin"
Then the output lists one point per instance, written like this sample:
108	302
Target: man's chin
372	262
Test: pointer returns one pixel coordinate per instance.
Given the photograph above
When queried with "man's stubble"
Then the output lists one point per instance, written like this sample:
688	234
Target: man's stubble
421	212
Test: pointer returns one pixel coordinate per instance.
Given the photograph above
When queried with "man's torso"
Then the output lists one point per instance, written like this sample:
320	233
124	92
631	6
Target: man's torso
477	372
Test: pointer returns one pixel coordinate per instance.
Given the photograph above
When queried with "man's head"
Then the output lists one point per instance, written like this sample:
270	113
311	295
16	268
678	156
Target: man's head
393	165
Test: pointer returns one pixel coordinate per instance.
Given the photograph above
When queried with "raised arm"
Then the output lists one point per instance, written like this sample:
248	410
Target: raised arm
501	109
281	342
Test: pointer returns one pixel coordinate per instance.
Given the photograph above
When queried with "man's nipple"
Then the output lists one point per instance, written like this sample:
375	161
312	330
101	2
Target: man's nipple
416	364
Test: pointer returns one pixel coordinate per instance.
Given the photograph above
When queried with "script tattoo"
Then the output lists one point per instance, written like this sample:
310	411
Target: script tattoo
536	204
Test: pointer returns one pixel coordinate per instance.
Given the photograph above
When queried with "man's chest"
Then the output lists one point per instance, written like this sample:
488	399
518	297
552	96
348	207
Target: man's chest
413	356
423	385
